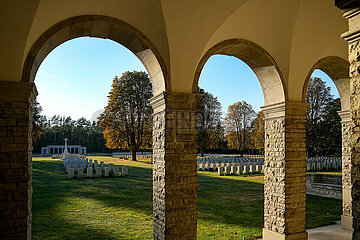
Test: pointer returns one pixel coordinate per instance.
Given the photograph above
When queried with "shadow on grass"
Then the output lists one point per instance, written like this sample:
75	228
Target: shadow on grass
120	208
58	203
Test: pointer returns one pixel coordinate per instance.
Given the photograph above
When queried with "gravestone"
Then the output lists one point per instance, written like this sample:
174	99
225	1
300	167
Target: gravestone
70	173
246	170
124	171
107	172
220	171
98	172
227	170
80	172
89	172
116	171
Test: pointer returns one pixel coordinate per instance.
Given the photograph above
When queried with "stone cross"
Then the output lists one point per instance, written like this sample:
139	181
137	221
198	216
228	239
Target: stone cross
66	151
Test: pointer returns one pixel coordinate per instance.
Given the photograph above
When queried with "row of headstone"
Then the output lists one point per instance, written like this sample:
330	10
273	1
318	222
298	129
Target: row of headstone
205	162
81	168
240	170
232	168
323	163
213	163
128	156
233	155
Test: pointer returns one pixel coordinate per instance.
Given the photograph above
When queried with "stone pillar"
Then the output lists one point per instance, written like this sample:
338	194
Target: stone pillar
16	100
285	171
351	10
174	165
346	217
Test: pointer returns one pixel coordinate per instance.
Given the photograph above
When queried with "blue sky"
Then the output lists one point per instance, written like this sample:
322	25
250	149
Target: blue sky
75	78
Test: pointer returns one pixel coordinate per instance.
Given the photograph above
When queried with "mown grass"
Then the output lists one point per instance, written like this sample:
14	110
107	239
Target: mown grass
121	208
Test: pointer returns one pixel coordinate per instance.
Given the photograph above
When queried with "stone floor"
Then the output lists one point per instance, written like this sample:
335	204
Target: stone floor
331	232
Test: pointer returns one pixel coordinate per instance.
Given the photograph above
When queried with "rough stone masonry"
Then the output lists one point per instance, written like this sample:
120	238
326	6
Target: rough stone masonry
16	99
174	166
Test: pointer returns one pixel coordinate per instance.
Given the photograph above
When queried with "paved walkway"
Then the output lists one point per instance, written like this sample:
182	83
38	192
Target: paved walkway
331	232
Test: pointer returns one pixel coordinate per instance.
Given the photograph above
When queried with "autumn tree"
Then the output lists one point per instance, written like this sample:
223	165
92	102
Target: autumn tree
210	129
258	133
238	118
126	121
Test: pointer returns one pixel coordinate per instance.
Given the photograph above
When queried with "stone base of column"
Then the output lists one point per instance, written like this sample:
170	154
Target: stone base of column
270	235
347	222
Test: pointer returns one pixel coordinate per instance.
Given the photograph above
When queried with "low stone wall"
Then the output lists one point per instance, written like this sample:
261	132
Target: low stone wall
325	185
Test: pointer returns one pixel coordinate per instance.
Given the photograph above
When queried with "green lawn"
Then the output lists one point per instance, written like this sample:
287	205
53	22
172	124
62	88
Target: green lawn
121	208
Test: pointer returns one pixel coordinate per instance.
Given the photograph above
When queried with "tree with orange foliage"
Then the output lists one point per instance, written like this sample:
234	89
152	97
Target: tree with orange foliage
127	119
238	119
258	134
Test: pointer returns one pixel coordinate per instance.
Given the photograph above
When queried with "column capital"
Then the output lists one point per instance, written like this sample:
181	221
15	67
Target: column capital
353	16
286	108
345	116
19	92
347	4
175	101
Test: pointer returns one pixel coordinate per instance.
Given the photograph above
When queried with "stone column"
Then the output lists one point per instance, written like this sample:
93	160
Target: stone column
351	10
174	165
285	171
346	217
16	100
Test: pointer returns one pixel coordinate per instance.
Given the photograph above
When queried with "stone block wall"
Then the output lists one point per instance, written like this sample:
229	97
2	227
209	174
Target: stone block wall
346	217
285	171
354	58
15	159
351	10
174	165
325	185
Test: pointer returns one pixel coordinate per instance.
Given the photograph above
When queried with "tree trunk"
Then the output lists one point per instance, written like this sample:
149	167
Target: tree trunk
133	152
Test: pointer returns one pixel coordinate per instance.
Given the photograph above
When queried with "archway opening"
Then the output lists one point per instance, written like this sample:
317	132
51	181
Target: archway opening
121	199
324	150
329	158
224	178
263	68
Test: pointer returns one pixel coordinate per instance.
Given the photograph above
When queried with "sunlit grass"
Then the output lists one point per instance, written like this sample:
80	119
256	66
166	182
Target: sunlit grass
121	208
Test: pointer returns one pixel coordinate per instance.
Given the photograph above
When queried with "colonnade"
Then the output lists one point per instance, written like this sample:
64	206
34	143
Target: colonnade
174	125
59	149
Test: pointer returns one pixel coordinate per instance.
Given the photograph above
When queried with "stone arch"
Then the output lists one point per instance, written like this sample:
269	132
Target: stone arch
101	27
337	69
258	59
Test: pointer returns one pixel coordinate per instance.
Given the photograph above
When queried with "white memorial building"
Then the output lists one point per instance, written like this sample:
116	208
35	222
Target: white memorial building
59	149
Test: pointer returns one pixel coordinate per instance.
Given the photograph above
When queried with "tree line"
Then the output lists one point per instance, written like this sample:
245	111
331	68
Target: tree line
53	130
243	131
126	122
